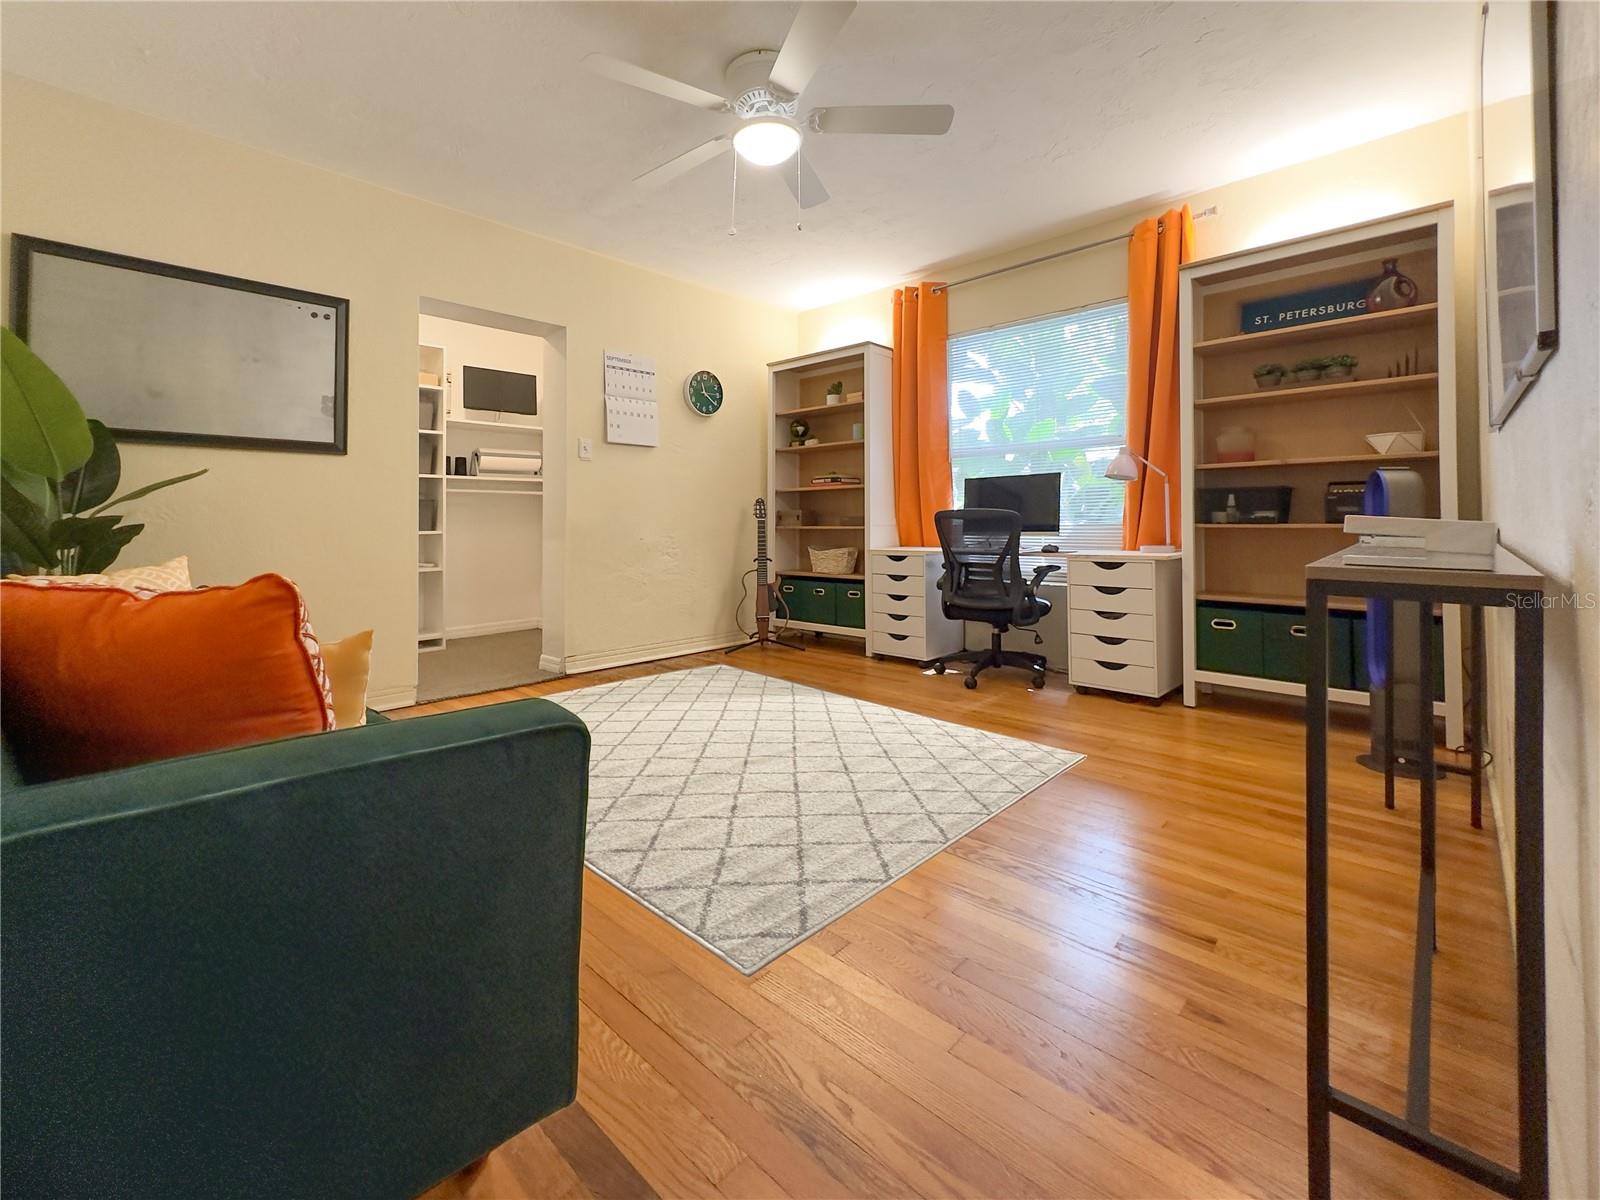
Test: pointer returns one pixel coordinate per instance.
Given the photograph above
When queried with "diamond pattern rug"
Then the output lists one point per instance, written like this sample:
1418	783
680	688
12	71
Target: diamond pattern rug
751	811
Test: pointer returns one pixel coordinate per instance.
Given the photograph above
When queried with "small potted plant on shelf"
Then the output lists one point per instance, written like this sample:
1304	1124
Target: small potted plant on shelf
1309	370
1340	366
835	392
1269	375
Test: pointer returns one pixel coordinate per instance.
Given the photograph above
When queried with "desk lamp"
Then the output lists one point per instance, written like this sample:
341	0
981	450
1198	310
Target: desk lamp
1125	469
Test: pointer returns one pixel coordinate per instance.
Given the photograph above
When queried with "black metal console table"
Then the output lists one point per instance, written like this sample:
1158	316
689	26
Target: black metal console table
1512	584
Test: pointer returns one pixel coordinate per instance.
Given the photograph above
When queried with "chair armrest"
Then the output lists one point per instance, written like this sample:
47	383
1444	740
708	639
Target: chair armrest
1039	574
337	965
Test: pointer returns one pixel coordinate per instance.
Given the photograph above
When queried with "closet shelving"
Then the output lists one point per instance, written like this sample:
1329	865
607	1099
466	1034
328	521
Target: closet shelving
859	515
1310	435
430	497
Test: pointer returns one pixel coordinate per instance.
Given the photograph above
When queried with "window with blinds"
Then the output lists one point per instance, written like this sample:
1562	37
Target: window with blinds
1049	394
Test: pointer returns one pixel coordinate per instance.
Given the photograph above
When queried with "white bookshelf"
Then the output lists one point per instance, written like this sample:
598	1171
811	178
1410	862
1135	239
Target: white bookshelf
858	515
431	405
1310	434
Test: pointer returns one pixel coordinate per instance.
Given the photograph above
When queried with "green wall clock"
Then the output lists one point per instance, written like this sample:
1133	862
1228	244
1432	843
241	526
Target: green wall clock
703	391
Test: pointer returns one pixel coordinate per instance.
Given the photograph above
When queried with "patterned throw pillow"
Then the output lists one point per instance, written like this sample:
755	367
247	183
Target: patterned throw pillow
170	576
95	678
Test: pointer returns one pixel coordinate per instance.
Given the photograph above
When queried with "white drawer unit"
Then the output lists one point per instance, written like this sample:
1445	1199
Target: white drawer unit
1125	625
904	619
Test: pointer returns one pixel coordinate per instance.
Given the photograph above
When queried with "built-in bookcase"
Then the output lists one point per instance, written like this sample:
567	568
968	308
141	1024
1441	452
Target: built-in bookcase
1313	433
802	515
431	397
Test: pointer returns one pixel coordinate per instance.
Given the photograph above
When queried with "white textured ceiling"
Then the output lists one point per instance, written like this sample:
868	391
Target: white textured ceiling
1063	110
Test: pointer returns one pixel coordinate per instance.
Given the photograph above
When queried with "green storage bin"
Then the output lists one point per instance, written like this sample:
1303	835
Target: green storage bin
850	604
1228	639
1284	639
808	599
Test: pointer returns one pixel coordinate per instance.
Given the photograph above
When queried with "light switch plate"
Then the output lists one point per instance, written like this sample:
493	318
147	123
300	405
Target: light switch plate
585	449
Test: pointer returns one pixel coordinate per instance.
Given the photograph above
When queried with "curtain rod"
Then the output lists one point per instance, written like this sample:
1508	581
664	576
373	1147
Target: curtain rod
1044	258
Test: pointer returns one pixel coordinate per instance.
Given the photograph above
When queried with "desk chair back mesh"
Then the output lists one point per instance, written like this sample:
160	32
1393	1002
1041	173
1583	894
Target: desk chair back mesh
983	581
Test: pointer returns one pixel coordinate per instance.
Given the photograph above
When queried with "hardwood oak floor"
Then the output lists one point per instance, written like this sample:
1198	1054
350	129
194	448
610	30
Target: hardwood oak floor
1099	992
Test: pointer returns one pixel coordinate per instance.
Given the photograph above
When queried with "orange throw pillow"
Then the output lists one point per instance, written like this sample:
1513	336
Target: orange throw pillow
94	678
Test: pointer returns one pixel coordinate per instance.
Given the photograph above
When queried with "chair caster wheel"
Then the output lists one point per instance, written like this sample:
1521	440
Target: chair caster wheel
969	682
938	668
1038	681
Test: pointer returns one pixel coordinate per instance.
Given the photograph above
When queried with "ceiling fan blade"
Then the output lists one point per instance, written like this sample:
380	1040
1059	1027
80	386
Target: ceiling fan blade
815	26
687	161
883	118
637	76
803	182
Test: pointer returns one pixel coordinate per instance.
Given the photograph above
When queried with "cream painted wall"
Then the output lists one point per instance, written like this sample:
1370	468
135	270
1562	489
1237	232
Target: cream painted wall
1541	482
654	537
1420	167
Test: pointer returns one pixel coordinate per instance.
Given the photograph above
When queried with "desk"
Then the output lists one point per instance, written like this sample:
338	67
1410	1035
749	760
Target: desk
1510	583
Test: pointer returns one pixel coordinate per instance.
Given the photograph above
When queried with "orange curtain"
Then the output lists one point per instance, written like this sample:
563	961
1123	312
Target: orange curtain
1156	249
921	413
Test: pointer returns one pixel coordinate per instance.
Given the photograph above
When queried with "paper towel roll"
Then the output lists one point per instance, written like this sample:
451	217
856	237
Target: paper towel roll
491	462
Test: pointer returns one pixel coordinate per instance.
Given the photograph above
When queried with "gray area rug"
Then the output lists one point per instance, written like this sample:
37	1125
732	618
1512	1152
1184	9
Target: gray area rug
752	811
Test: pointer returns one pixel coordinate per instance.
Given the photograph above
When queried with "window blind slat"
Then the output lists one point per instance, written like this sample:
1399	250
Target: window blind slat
1048	394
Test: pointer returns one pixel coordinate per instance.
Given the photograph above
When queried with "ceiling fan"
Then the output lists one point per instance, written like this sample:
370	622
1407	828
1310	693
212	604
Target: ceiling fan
763	90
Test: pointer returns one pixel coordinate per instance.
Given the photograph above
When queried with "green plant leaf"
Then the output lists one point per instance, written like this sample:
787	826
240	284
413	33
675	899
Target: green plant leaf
42	428
92	484
36	488
97	541
24	531
99	555
139	493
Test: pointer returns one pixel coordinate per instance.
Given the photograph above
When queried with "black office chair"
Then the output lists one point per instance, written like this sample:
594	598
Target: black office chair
983	581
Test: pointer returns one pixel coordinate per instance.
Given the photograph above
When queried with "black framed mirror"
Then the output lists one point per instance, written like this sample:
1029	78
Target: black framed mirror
1518	210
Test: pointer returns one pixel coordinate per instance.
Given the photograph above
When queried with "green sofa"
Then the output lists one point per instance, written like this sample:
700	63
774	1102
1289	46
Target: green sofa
343	965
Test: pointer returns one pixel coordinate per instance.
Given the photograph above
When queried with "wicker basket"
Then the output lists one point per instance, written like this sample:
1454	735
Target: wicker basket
833	562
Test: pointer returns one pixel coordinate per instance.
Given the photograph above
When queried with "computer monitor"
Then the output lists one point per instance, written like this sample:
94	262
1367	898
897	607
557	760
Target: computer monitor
1036	497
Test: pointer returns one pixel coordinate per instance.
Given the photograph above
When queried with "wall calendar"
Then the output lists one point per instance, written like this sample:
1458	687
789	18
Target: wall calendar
632	418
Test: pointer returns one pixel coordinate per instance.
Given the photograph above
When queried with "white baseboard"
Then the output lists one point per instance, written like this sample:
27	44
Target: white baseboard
577	664
395	697
489	627
549	662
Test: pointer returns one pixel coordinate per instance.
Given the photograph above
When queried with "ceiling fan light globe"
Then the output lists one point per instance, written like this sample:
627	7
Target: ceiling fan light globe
767	141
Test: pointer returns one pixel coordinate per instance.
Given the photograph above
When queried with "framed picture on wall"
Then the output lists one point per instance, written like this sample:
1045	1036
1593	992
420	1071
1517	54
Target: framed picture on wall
163	353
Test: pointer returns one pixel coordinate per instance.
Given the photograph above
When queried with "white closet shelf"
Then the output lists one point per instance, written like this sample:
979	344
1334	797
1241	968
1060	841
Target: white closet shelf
467	484
497	426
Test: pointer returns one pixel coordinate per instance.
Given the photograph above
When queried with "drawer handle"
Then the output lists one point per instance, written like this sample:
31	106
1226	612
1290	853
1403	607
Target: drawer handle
899	578
900	637
1109	641
898	616
787	588
1109	591
819	591
852	594
1109	616
892	596
1110	666
1109	566
1223	623
897	557
1297	631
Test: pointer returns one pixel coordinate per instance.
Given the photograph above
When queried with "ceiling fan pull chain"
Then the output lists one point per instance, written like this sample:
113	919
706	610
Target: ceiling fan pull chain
733	206
799	183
